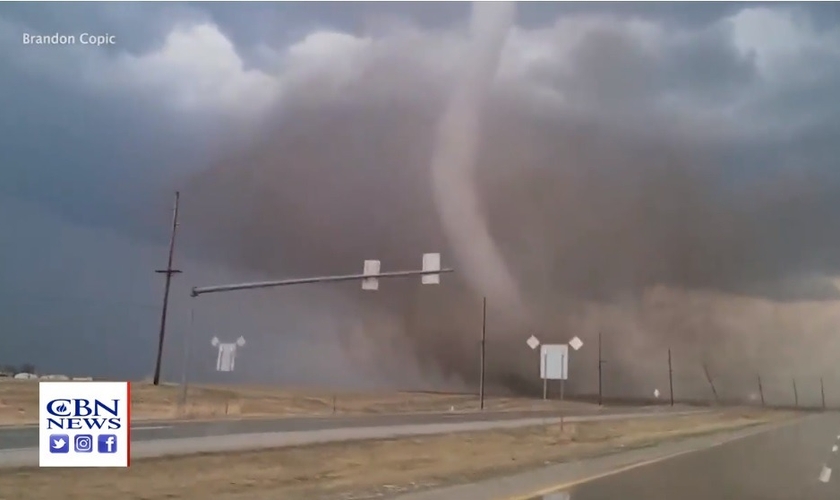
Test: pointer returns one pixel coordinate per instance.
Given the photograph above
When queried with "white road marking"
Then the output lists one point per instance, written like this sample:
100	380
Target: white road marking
825	474
560	495
834	449
149	428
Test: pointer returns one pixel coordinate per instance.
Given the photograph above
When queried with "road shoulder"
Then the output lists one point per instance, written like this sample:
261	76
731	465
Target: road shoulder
559	477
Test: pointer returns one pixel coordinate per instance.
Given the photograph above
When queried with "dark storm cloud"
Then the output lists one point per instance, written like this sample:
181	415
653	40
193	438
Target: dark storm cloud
620	192
603	202
683	14
612	69
85	191
95	169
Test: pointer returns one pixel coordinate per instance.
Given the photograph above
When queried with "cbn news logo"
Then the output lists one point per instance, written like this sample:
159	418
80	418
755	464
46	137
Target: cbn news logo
71	412
83	414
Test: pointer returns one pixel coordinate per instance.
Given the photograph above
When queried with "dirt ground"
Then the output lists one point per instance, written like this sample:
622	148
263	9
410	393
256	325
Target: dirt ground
362	470
19	402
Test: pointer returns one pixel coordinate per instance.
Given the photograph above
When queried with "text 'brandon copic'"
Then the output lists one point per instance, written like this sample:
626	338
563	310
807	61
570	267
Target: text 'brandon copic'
72	39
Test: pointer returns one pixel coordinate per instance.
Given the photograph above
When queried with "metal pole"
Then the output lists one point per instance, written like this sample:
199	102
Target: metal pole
186	356
600	363
196	291
671	377
168	272
795	394
822	393
562	380
483	346
544	374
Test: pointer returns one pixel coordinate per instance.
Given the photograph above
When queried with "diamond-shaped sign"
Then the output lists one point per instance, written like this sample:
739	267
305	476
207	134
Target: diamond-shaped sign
533	342
576	343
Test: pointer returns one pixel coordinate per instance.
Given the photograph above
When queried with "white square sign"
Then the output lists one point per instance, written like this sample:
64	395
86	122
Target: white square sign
431	262
372	267
554	361
84	424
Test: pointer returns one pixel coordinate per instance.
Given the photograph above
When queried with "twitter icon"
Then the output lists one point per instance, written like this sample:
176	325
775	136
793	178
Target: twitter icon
59	443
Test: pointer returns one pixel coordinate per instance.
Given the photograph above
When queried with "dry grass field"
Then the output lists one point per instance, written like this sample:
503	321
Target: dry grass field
366	469
19	402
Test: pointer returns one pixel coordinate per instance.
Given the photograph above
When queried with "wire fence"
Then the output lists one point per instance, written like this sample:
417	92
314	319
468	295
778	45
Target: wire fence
620	372
670	376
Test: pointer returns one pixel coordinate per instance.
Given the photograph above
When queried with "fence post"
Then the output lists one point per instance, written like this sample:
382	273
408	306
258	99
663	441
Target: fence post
795	394
670	376
822	393
760	389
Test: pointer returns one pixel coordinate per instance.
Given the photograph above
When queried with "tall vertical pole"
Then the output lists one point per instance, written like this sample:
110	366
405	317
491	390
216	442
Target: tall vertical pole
795	394
186	361
168	272
760	389
563	372
822	392
544	373
483	346
600	363
711	382
671	377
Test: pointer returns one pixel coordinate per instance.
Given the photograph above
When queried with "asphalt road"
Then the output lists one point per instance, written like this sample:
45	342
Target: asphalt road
783	464
27	437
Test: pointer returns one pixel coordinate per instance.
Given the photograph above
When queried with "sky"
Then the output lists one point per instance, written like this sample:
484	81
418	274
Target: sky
624	146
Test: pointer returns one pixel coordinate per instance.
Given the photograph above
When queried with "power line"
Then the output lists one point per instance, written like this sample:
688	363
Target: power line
18	297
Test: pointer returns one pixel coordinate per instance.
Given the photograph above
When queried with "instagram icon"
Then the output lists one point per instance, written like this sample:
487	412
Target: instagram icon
83	443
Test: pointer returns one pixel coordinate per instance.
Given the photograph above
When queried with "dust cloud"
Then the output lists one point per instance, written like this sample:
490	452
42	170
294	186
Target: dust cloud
637	233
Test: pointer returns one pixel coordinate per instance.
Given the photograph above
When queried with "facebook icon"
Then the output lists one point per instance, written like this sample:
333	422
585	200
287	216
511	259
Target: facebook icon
107	443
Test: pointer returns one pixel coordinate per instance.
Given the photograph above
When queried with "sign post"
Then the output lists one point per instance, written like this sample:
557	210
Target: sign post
545	379
563	380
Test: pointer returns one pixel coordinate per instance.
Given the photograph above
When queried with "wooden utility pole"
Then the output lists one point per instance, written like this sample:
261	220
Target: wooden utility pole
822	392
600	364
671	377
711	382
169	271
760	389
483	346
